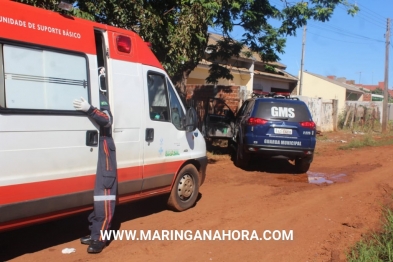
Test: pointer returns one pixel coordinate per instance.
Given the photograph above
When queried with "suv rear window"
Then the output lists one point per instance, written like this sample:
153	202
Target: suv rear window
292	112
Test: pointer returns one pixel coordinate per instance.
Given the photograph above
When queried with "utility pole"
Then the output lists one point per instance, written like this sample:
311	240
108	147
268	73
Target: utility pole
372	77
385	90
302	61
360	76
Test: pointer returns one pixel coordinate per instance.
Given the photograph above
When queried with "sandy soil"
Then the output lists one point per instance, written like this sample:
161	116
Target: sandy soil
325	218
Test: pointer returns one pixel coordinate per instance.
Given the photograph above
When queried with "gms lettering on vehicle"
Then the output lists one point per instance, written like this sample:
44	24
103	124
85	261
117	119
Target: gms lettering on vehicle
283	112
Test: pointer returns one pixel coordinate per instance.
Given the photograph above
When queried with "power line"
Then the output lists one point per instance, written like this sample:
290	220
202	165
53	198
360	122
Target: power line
341	31
340	40
345	33
379	24
371	11
366	17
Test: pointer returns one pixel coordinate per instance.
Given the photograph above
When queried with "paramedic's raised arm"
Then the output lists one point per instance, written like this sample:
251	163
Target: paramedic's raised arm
101	117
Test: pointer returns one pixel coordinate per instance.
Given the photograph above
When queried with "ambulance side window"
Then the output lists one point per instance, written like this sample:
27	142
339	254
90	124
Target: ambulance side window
177	113
158	98
42	79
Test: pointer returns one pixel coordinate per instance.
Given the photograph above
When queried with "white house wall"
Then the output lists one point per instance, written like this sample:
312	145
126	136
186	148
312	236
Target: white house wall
198	76
323	112
241	79
319	88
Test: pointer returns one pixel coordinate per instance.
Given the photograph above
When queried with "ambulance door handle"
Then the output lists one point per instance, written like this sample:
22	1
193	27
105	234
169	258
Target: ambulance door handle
149	135
91	138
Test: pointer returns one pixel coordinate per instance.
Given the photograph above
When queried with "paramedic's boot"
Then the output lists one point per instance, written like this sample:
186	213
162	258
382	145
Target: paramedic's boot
95	246
85	240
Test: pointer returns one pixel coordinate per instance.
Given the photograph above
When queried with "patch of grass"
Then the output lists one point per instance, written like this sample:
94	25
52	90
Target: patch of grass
377	246
217	155
321	138
357	143
368	140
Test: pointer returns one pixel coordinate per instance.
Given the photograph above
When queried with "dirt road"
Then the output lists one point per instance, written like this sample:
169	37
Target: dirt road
325	218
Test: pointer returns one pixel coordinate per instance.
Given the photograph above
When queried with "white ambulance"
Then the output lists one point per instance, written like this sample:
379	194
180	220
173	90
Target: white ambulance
48	150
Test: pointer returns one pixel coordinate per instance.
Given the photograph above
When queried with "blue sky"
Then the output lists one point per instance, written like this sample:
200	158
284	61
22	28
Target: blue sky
345	46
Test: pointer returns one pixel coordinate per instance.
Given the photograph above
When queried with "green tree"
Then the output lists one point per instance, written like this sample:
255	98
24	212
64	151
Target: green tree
53	5
377	91
255	17
178	29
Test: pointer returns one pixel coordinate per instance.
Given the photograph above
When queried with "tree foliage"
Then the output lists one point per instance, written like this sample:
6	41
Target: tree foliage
377	91
178	29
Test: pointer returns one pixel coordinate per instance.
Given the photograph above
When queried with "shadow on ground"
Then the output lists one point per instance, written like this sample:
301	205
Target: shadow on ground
34	238
257	163
275	166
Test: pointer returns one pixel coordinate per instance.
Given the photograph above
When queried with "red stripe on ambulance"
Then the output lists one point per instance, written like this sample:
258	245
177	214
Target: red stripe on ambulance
30	191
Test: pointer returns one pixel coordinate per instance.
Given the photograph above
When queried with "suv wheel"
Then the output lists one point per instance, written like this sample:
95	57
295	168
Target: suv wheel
242	157
302	165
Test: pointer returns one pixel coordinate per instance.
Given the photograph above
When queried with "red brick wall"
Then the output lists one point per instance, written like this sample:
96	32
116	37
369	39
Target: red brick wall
366	97
230	94
198	96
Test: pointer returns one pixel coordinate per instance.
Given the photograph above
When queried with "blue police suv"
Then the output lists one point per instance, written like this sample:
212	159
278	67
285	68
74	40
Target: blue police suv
274	125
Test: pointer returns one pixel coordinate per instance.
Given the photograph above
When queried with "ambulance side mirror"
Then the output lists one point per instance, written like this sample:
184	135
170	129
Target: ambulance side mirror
191	120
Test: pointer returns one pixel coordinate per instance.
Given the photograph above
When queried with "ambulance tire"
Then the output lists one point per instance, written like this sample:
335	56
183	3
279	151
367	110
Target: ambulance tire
185	189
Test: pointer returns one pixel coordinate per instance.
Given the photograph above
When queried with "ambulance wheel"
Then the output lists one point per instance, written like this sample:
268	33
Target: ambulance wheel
185	189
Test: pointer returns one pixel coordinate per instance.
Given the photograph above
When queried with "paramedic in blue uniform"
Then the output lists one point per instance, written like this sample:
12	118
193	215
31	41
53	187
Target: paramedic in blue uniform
106	176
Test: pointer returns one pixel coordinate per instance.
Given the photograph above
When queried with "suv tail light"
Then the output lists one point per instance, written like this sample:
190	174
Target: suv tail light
308	124
253	121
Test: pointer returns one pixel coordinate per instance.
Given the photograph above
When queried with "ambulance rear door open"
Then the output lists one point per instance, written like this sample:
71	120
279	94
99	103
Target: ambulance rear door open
126	95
